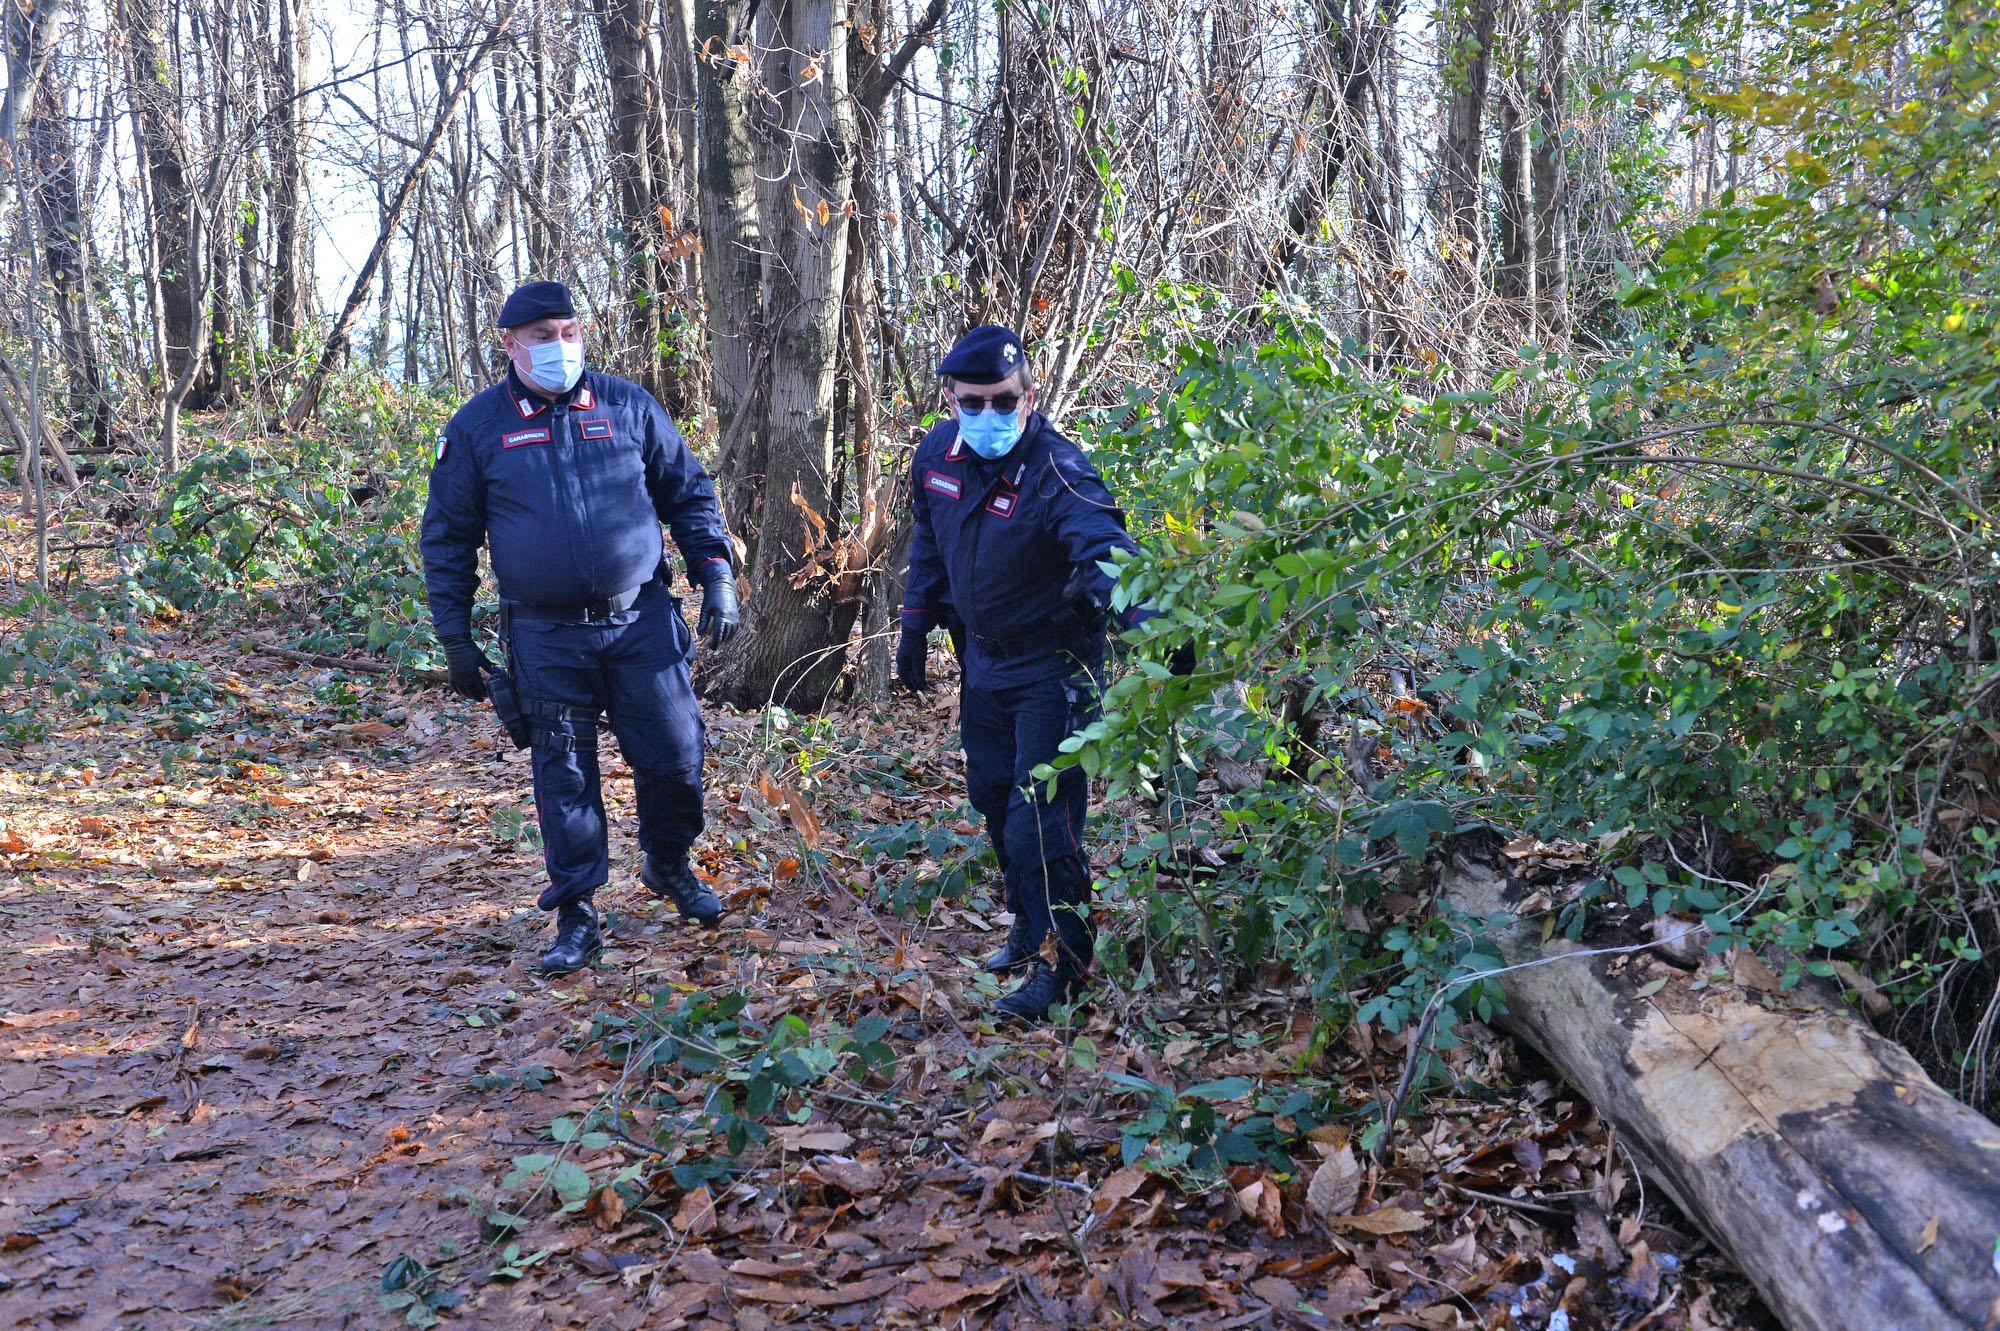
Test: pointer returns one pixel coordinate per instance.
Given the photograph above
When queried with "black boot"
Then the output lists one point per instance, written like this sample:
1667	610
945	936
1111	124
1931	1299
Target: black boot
1024	938
1018	951
1043	989
577	939
676	883
1067	911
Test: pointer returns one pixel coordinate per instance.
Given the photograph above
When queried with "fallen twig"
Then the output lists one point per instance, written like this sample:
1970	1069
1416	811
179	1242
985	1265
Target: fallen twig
356	664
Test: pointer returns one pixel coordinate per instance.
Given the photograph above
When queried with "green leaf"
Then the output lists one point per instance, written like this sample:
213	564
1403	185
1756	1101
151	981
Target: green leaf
570	1181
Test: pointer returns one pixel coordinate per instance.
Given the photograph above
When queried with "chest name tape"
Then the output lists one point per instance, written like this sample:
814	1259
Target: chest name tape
520	437
600	429
943	484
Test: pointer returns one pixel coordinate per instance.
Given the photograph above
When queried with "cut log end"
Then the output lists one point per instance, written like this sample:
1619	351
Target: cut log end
1851	1190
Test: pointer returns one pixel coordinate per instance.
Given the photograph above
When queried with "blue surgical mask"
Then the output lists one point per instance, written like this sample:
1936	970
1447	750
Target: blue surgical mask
556	365
990	433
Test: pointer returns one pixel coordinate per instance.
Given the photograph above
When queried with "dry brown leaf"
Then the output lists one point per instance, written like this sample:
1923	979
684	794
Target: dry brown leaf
1928	1237
1751	972
804	1137
1280	1293
800	811
1335	1186
607	1209
696	1214
854	1177
858	1292
1388	1220
937	1295
1116	1187
1261	1201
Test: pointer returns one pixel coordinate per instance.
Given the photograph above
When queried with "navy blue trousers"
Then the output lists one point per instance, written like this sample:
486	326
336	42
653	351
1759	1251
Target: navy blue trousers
633	668
1008	732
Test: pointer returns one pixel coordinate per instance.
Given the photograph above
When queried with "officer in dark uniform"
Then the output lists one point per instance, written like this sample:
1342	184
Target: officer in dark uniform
566	475
1011	524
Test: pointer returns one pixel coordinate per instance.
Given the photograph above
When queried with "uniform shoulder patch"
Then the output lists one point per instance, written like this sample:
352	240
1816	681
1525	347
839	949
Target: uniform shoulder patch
444	441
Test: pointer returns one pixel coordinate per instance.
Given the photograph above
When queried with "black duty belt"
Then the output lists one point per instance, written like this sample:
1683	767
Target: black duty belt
1001	649
587	612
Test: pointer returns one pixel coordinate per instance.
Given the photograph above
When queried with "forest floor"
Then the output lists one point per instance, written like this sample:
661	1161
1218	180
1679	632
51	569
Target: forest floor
273	1053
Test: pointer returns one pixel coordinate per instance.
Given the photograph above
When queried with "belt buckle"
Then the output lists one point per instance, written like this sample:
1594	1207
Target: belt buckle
597	612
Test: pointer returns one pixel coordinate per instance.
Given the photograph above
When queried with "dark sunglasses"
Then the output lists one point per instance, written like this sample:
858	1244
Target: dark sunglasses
972	404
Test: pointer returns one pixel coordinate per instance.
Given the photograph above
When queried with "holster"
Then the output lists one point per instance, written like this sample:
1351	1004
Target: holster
506	701
502	693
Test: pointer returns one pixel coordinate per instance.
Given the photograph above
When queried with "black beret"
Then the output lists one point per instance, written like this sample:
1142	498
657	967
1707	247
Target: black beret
986	355
537	300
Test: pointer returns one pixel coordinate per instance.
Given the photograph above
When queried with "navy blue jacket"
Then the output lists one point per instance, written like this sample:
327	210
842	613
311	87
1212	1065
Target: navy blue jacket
996	543
569	494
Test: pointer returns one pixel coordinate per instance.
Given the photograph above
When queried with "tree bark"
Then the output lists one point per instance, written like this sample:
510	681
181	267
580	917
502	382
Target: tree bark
291	277
1847	1186
165	160
1514	280
42	120
800	611
625	29
1462	153
733	274
1551	172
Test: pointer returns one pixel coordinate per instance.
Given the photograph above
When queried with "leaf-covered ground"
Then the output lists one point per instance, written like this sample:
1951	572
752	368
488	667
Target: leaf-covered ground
272	1053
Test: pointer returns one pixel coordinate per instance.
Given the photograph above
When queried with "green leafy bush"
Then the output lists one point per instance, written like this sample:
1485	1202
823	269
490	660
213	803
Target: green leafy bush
1727	597
321	525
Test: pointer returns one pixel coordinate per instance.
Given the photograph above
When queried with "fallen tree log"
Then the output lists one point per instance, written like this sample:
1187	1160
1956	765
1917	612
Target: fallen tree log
1852	1191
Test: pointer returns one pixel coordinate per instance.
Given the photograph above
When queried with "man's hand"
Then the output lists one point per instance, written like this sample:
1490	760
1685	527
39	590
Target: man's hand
469	667
720	615
911	651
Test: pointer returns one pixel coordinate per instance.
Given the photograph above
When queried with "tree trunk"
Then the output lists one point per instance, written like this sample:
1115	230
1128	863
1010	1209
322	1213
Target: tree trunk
733	273
801	611
1515	279
37	106
1462	153
164	157
625	30
291	278
1551	173
1847	1186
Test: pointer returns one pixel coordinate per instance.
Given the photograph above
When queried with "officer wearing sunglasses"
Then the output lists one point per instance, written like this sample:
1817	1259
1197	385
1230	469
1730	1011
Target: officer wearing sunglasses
1011	523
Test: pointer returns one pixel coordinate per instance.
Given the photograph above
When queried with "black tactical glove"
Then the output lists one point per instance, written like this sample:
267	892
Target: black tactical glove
1181	660
720	615
469	667
911	650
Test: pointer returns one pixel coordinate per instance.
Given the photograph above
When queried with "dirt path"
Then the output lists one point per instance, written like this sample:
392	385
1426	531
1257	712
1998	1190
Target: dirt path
244	1018
271	1043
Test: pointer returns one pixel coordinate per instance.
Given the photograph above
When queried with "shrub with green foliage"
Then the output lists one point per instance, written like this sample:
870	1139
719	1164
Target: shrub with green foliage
322	523
1728	593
